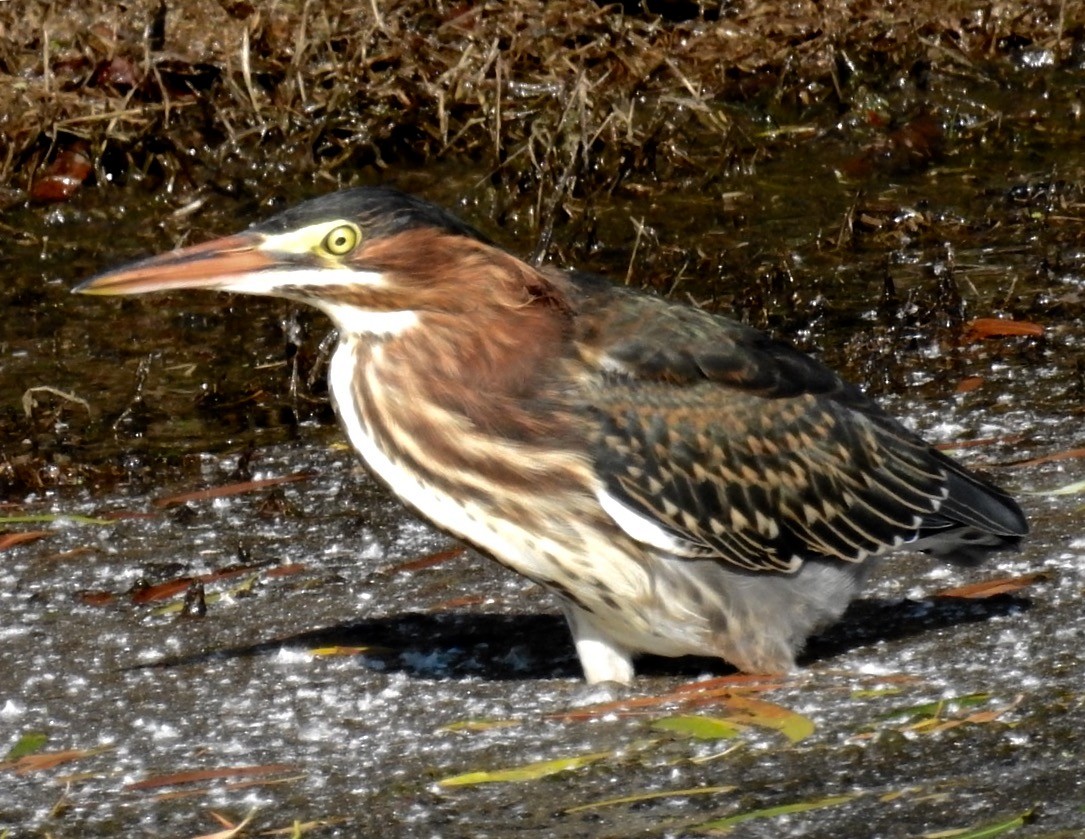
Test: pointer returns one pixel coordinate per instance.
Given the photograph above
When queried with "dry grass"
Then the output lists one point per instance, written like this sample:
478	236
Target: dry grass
561	101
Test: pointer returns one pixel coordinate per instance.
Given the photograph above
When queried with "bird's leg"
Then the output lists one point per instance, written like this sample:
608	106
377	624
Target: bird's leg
601	657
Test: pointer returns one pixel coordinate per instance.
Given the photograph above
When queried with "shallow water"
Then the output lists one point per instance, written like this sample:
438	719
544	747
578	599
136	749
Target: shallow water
185	392
360	737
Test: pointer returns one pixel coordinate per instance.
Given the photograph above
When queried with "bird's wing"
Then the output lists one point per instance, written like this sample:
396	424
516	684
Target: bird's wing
713	440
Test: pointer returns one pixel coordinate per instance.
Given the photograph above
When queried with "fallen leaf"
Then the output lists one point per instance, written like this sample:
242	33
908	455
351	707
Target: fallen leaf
50	518
478	725
527	772
427	561
700	728
648	796
934	708
969	384
933	717
691	694
987	831
1005	440
239	488
117	72
10	540
337	650
62	177
991	588
232	830
745	710
976	718
1076	488
96	598
458	603
981	328
1067	454
49	760
65	556
171	588
286	570
193	776
743	682
28	744
724	825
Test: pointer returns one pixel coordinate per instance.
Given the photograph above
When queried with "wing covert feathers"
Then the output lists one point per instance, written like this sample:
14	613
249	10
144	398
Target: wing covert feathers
742	448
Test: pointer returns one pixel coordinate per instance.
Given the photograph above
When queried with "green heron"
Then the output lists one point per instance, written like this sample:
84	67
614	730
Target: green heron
683	483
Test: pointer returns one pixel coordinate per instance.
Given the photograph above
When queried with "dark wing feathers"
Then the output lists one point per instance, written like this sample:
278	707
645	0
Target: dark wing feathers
742	448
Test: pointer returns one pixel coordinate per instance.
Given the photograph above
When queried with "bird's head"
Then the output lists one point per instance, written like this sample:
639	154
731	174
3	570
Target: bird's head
373	258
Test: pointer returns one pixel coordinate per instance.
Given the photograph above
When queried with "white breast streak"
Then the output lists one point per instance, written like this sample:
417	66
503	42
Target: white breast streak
407	486
468	522
504	540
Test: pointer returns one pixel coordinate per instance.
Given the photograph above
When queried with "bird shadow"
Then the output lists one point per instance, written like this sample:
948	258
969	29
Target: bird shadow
460	645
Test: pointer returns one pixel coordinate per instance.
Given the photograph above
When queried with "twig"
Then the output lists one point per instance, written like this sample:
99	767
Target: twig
29	403
246	73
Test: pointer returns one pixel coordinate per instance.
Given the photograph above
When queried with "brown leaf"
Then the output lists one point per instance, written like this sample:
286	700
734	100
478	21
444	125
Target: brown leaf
287	570
747	682
239	488
992	588
748	711
171	588
427	561
969	384
230	829
458	602
161	591
981	328
118	73
62	177
49	760
694	694
1066	454
193	776
1007	440
65	556
10	540
95	598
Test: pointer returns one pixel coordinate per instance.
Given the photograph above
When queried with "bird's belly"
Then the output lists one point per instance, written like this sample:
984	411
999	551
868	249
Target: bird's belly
645	601
757	621
534	537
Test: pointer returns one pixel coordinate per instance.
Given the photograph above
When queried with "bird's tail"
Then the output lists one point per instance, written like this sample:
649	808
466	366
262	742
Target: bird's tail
975	519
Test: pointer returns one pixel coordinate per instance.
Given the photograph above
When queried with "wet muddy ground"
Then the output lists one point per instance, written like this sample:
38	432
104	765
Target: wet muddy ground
346	666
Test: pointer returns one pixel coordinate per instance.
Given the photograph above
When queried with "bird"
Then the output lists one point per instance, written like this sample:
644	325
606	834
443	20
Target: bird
683	483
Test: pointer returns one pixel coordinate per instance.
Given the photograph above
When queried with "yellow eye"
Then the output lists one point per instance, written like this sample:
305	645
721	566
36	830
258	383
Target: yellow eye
342	240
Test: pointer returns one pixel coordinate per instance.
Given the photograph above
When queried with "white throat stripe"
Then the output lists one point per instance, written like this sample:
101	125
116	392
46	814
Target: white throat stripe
356	321
348	317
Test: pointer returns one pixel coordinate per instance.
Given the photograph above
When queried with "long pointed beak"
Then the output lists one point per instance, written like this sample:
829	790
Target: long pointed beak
215	264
